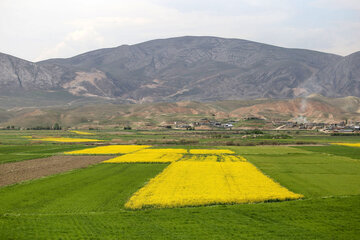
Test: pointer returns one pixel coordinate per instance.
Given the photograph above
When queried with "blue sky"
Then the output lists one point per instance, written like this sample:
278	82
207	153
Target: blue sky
40	29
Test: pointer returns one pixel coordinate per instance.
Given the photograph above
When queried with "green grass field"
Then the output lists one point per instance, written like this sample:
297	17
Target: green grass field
104	187
15	153
330	218
313	175
89	203
352	152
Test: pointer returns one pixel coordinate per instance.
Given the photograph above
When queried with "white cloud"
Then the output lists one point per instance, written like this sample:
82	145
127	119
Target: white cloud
80	40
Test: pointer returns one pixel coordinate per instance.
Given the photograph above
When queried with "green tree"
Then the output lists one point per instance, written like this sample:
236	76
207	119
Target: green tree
57	126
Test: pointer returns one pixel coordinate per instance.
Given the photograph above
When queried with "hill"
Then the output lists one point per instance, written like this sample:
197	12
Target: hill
184	69
315	108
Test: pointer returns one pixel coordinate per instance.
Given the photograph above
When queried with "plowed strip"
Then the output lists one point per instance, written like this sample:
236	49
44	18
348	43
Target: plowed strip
11	173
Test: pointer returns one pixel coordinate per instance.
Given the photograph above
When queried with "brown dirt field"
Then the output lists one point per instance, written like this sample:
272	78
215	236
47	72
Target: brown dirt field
11	173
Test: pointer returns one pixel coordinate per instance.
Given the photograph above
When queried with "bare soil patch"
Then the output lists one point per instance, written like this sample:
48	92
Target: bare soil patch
11	173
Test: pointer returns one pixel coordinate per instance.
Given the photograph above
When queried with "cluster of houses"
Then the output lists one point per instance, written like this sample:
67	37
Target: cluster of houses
206	122
345	128
341	127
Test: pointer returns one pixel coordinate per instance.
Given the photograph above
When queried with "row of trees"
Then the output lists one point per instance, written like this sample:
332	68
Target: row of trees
56	126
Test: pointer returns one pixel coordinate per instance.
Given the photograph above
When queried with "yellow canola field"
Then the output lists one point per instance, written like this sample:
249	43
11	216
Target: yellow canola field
146	158
81	132
232	158
348	144
111	149
211	151
163	150
215	158
61	139
202	158
190	183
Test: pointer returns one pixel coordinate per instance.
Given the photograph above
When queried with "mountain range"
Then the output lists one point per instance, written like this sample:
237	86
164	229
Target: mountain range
184	69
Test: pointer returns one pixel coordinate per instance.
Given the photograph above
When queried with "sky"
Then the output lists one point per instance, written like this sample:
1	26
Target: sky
36	30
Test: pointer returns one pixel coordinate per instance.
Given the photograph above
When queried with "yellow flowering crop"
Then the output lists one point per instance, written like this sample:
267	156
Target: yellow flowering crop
163	150
348	144
61	139
144	157
81	132
191	183
211	151
215	158
201	158
111	149
232	158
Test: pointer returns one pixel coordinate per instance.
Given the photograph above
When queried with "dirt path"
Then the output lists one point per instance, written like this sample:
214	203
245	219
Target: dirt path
11	173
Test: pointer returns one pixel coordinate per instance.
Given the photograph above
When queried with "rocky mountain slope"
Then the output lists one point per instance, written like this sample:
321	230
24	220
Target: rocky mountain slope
187	68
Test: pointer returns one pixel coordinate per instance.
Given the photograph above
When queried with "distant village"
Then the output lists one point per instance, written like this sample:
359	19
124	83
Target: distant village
341	127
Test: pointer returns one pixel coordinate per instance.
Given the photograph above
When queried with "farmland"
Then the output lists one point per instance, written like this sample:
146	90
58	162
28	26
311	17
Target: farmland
111	149
14	153
91	202
194	183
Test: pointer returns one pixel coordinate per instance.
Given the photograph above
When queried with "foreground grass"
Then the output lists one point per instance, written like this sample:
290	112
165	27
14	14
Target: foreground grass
332	218
15	153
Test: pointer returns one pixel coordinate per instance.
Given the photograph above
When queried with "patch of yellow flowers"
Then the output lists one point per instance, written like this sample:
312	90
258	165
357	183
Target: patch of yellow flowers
348	144
164	150
201	158
143	157
82	133
211	151
214	158
62	139
232	158
111	149
192	183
